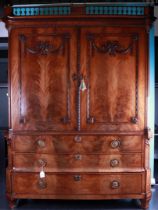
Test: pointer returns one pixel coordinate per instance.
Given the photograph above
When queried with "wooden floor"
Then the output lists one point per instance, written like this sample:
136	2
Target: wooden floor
68	205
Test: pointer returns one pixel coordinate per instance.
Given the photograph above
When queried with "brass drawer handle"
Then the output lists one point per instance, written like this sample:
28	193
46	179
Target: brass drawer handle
78	157
114	162
41	143
77	178
115	144
42	162
115	184
42	184
77	139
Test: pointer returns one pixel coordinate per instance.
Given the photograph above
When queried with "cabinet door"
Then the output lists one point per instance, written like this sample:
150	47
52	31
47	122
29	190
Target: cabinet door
114	67
42	62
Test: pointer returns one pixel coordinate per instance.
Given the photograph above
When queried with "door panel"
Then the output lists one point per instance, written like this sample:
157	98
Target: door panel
45	91
113	74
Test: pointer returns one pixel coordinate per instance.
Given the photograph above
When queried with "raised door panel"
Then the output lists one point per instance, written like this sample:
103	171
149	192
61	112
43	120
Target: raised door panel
114	70
44	93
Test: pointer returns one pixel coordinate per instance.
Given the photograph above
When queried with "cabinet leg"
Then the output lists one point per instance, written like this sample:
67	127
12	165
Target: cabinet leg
13	203
144	203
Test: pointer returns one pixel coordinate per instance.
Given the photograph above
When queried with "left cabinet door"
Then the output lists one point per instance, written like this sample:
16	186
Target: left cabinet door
42	61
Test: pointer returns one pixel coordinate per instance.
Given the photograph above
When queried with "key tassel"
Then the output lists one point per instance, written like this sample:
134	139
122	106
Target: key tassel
83	85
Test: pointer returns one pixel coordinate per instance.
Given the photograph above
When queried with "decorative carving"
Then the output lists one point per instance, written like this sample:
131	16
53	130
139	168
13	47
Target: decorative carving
22	40
91	120
149	135
22	37
8	140
78	79
134	120
112	47
147	141
115	10
65	120
44	48
42	162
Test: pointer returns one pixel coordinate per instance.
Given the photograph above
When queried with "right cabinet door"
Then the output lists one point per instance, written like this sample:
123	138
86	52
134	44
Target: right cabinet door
114	68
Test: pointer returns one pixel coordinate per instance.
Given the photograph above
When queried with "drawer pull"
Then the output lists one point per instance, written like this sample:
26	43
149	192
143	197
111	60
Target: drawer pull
77	178
115	144
42	184
77	139
78	157
114	162
41	143
115	184
42	162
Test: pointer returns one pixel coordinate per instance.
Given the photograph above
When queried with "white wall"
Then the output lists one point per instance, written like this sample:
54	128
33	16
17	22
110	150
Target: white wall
3	30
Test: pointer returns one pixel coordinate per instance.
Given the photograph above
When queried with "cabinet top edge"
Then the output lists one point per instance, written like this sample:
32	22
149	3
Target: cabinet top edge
144	4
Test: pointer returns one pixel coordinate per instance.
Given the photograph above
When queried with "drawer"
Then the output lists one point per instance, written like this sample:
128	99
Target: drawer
77	162
83	144
87	184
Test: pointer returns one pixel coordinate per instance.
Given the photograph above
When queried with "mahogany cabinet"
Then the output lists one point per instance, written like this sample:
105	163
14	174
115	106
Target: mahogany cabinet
78	103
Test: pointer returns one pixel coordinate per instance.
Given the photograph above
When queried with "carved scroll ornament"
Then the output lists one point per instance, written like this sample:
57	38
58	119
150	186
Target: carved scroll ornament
112	48
44	48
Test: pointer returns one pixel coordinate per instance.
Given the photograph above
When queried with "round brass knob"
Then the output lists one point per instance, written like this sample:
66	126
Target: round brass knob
77	138
115	144
41	143
78	157
115	184
114	162
42	184
77	178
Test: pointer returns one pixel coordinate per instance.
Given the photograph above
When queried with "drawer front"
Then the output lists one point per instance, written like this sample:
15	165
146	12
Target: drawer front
77	162
88	184
73	144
